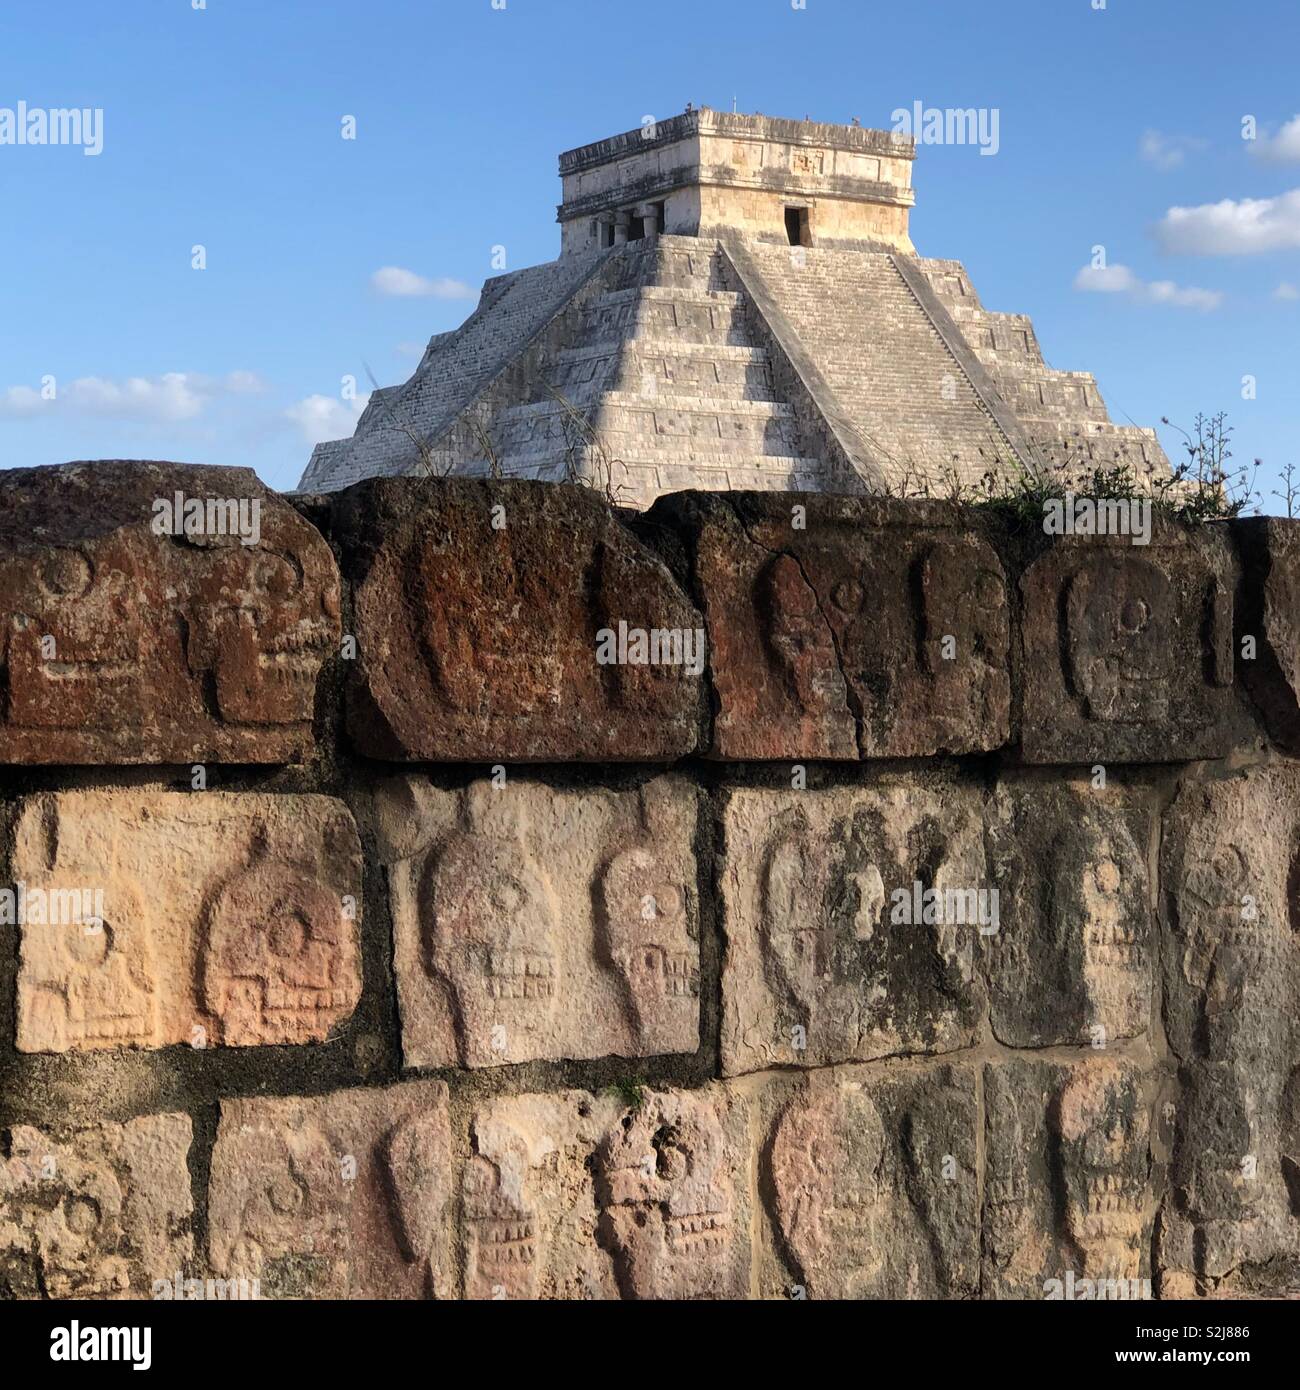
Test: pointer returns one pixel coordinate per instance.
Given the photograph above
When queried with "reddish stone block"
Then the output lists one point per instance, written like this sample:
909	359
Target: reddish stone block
480	611
346	1195
1129	649
125	638
846	627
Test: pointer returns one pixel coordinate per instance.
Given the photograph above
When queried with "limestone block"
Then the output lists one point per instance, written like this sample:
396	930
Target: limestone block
479	607
875	1184
1071	960
1270	549
1229	868
1231	963
672	1184
535	923
346	1195
1128	648
842	626
100	1213
1068	1195
206	918
528	1207
830	956
119	644
1229	1225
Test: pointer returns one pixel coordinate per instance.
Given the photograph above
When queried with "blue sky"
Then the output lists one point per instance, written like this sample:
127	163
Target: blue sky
222	128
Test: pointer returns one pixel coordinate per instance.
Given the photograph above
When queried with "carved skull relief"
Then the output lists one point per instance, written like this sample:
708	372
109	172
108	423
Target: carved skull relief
1104	1128
490	935
1119	612
667	1198
280	966
501	1222
832	1193
644	919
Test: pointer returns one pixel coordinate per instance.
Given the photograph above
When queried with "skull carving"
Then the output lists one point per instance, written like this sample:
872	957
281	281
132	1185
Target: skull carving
92	982
1238	951
501	1221
281	963
964	597
74	635
60	1222
1215	1173
1006	1189
416	1156
644	920
1101	917
800	637
293	1222
490	924
832	1196
1103	1128
1119	614
263	625
823	905
667	1198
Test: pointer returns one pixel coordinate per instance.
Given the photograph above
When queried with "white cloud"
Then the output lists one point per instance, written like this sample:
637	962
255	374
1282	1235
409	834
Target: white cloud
21	400
1282	148
326	417
1107	279
1286	291
411	349
1167	151
1119	279
393	280
242	383
171	397
1244	227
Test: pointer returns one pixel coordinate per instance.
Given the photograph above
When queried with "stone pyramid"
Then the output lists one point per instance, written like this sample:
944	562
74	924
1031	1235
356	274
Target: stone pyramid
737	304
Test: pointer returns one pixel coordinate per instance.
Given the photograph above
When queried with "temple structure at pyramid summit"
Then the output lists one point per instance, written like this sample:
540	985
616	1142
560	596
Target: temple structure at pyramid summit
737	304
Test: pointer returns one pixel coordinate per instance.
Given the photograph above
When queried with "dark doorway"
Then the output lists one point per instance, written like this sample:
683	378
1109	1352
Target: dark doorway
796	226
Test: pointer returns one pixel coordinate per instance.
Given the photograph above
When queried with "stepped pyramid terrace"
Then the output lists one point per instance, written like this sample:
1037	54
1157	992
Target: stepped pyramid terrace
737	304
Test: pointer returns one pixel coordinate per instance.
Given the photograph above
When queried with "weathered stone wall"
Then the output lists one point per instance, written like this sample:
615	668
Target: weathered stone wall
933	934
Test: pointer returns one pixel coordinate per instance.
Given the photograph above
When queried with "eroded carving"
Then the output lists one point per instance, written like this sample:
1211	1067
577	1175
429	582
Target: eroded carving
339	1196
869	1180
854	627
667	1194
485	600
100	1214
825	962
1071	960
540	923
1128	650
121	645
258	942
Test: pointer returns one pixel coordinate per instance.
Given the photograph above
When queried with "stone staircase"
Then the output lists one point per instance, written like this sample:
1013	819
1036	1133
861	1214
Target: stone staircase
665	382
